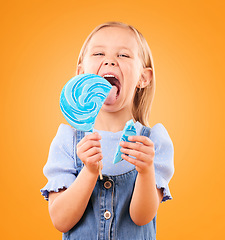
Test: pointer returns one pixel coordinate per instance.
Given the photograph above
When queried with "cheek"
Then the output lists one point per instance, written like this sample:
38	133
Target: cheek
133	74
90	66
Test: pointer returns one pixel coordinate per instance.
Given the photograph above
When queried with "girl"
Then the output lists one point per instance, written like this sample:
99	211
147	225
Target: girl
124	204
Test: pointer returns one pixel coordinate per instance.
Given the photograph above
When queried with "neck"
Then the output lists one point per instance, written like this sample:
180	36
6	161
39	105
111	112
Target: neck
112	121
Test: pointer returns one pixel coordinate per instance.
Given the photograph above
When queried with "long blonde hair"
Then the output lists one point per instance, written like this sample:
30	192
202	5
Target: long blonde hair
143	97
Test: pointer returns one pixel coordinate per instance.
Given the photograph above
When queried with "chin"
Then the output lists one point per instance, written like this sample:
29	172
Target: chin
110	108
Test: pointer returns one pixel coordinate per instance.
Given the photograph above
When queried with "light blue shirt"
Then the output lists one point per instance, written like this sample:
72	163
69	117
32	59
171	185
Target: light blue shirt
60	172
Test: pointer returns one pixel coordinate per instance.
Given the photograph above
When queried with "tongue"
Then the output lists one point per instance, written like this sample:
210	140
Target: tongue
111	99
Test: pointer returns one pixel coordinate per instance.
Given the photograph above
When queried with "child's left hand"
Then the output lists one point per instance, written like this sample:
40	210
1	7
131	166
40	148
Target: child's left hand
142	148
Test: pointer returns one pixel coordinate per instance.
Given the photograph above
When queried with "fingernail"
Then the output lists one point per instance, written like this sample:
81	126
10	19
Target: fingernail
121	143
97	134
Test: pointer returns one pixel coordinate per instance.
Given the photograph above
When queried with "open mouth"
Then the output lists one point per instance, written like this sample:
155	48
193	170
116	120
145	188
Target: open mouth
113	81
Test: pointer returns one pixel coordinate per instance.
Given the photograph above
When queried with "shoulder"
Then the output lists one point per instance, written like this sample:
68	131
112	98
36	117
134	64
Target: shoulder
65	129
65	134
159	128
160	136
158	131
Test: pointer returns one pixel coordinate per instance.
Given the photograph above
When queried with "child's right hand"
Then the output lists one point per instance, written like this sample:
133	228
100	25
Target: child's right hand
90	153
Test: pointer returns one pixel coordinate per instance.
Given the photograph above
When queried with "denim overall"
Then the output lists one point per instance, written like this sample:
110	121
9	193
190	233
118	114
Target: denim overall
107	214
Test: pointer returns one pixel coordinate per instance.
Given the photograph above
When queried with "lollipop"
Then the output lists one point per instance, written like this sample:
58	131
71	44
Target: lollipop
129	130
82	98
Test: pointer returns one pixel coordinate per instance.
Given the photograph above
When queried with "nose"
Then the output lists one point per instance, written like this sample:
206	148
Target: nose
110	62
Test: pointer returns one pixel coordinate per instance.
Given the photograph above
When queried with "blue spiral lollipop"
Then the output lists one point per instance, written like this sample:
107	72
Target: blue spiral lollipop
82	98
129	130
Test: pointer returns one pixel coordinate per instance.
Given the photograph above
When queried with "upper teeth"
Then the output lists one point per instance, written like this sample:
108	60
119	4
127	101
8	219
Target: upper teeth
109	75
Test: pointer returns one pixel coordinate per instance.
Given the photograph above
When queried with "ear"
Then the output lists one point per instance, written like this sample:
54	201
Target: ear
146	78
80	69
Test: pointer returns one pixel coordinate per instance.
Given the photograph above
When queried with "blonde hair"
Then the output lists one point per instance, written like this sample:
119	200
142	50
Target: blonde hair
143	97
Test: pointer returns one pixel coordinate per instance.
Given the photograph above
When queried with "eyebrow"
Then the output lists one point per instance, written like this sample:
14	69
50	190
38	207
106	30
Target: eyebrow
98	46
121	47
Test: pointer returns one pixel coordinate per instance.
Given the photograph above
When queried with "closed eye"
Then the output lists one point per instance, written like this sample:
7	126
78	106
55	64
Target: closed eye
98	54
123	55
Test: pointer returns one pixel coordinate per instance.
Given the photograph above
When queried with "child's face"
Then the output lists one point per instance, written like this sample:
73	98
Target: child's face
114	51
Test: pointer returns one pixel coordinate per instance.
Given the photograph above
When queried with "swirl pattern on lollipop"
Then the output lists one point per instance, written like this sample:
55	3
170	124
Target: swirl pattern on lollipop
129	130
82	98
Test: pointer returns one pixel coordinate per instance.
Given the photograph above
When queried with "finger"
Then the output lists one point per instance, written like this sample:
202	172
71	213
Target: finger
141	139
138	147
137	154
93	160
92	151
93	136
135	162
88	145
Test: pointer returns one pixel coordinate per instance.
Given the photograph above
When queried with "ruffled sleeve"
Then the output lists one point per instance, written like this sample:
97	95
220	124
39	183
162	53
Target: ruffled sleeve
60	167
164	159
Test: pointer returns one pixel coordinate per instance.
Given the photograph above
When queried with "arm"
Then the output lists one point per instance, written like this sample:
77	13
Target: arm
145	200
146	197
67	206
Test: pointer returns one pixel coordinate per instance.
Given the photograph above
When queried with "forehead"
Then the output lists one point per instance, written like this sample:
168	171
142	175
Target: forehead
114	36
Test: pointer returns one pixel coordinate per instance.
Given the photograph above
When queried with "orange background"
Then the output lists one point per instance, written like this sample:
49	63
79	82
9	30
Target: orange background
40	43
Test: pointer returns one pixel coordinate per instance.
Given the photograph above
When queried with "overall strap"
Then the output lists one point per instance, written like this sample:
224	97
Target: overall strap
79	135
145	131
